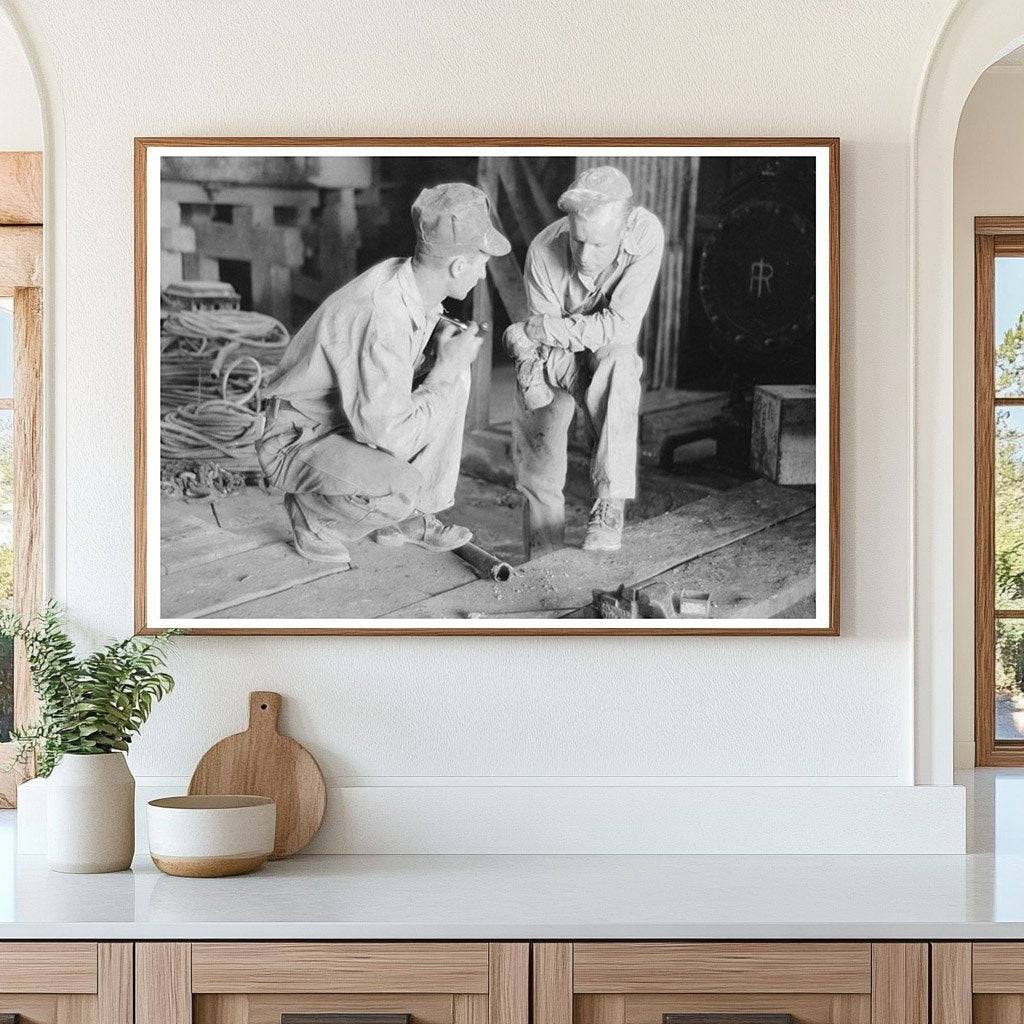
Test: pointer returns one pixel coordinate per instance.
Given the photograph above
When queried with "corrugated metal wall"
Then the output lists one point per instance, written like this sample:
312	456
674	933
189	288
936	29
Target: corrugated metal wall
667	186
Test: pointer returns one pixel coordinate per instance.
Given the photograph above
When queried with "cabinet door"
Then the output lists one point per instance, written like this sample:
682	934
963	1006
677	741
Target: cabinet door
314	982
981	982
66	982
747	982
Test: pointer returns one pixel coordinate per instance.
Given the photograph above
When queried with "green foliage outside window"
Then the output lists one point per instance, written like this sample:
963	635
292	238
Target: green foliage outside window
1009	509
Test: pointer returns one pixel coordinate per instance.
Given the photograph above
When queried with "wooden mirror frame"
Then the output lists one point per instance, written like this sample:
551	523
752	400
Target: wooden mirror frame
21	277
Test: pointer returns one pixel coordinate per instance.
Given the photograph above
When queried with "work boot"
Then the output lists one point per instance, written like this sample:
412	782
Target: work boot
425	532
604	532
313	546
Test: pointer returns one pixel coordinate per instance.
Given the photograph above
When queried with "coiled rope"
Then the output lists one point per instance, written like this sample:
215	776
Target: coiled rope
212	365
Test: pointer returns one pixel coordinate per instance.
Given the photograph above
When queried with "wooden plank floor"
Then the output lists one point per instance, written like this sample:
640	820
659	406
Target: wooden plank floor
551	586
231	557
759	577
255	572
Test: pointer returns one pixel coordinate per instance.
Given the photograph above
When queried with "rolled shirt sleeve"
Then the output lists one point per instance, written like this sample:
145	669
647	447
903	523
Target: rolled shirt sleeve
616	323
381	406
543	297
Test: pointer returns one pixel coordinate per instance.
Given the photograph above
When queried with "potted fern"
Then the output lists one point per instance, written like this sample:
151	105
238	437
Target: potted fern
89	710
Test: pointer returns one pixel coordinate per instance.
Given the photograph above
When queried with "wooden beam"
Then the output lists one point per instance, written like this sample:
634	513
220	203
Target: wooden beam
508	279
999	226
984	504
528	221
547	213
21	258
21	188
505	271
243	240
28	482
28	495
478	416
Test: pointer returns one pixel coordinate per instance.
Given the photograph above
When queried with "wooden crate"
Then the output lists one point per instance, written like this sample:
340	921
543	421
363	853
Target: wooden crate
782	433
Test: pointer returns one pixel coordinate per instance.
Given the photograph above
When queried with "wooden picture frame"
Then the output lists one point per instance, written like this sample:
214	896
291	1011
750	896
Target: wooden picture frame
825	621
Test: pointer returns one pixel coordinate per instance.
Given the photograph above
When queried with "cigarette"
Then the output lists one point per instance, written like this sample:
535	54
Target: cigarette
462	326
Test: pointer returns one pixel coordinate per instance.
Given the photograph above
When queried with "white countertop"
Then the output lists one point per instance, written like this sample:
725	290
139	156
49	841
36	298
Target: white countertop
532	897
977	896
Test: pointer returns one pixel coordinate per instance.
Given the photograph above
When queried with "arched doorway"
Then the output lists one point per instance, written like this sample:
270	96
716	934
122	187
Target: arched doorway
976	33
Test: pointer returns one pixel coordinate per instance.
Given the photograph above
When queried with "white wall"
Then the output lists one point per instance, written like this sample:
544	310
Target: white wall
21	125
988	181
447	713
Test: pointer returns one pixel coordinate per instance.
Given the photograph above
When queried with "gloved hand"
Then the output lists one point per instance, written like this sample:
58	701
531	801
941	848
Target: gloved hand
529	367
517	343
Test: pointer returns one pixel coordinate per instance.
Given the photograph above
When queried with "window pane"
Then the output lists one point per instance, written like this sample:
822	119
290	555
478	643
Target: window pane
1009	679
6	567
1009	326
1009	534
6	348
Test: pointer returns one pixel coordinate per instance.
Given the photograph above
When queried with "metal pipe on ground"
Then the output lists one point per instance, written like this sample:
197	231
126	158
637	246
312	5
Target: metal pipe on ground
484	564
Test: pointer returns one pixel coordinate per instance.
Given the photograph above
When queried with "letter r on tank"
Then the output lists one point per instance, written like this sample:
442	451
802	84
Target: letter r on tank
761	273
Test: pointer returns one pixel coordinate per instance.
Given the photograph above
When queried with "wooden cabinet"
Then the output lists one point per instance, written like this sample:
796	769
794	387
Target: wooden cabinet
494	983
66	982
645	982
259	982
980	982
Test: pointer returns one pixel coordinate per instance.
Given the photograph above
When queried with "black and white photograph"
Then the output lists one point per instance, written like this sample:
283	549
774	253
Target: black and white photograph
468	387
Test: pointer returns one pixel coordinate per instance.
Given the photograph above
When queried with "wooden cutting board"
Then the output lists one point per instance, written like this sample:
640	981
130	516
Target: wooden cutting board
262	762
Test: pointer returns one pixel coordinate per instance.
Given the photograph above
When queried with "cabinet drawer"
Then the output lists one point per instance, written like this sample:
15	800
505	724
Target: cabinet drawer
48	967
261	982
340	967
634	967
66	982
749	982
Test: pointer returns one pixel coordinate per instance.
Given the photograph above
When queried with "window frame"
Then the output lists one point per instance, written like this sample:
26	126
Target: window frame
21	253
993	237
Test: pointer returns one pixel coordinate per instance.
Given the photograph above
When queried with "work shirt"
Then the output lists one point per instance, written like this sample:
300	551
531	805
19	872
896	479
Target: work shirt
587	314
351	365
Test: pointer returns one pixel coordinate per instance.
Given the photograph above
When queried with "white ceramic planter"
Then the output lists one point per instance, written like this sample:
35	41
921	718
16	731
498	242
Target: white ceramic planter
90	814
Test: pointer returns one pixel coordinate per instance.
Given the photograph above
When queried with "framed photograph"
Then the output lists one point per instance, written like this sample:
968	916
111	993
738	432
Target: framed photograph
487	386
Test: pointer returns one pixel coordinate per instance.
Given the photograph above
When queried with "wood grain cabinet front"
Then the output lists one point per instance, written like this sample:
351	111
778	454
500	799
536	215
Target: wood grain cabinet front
332	983
977	983
66	982
730	983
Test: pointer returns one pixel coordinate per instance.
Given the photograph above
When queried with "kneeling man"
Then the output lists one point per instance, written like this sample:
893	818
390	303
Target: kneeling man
589	279
364	422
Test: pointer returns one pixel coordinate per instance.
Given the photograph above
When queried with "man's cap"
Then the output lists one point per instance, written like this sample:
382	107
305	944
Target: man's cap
605	184
455	220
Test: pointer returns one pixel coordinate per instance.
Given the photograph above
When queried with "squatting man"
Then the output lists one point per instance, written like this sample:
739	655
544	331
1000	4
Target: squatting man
363	422
589	278
364	416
